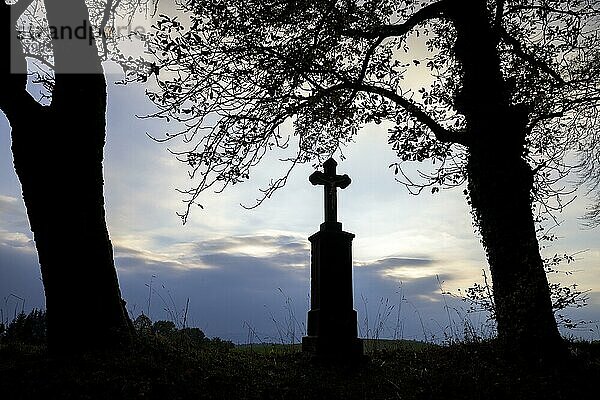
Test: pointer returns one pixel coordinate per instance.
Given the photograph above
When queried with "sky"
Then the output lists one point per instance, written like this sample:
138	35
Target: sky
245	274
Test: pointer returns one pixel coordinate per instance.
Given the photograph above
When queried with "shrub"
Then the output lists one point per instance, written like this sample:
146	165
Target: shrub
26	328
164	328
143	325
166	332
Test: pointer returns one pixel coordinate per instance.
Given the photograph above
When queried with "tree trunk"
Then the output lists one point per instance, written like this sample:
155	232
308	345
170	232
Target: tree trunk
500	189
58	153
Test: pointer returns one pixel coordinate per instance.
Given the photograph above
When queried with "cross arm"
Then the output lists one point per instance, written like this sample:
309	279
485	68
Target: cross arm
342	181
318	178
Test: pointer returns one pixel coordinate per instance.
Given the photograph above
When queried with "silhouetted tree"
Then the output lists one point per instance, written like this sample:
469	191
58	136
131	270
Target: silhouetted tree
508	91
58	154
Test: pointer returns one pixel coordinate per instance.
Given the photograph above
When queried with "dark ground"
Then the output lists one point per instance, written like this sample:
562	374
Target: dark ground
160	368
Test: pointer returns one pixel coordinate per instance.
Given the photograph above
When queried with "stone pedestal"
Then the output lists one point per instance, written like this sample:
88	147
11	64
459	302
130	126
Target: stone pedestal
332	324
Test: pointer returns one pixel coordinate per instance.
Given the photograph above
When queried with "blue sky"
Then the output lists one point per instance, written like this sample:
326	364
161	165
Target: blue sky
246	272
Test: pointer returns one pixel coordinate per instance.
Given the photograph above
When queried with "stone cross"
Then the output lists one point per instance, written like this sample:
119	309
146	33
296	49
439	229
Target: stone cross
331	182
331	329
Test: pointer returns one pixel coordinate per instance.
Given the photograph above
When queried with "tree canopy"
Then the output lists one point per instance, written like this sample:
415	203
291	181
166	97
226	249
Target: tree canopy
240	69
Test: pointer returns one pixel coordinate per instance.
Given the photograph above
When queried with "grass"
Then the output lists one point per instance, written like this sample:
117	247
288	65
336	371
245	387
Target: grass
370	346
155	368
166	362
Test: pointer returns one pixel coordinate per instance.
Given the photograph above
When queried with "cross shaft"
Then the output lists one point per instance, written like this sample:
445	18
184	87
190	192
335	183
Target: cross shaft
330	182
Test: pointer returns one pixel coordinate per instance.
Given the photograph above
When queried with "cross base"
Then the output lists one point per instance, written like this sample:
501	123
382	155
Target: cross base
332	321
350	349
331	226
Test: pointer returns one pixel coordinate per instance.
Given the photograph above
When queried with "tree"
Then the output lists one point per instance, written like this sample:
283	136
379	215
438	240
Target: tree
58	153
512	95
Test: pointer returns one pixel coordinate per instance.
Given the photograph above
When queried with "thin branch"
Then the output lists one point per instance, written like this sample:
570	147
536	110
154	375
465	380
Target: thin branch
530	58
543	8
109	11
543	117
442	134
431	11
365	66
39	58
14	99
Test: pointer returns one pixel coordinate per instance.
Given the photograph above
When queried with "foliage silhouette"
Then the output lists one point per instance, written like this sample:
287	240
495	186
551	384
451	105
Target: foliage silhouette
179	339
26	328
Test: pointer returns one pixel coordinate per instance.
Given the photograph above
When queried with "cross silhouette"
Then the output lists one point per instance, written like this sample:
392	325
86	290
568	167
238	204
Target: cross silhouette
330	181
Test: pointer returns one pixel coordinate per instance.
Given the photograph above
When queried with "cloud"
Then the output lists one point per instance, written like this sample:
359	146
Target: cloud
258	245
235	285
278	251
14	231
412	308
19	268
402	268
8	203
128	260
393	262
13	215
239	289
241	286
20	276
